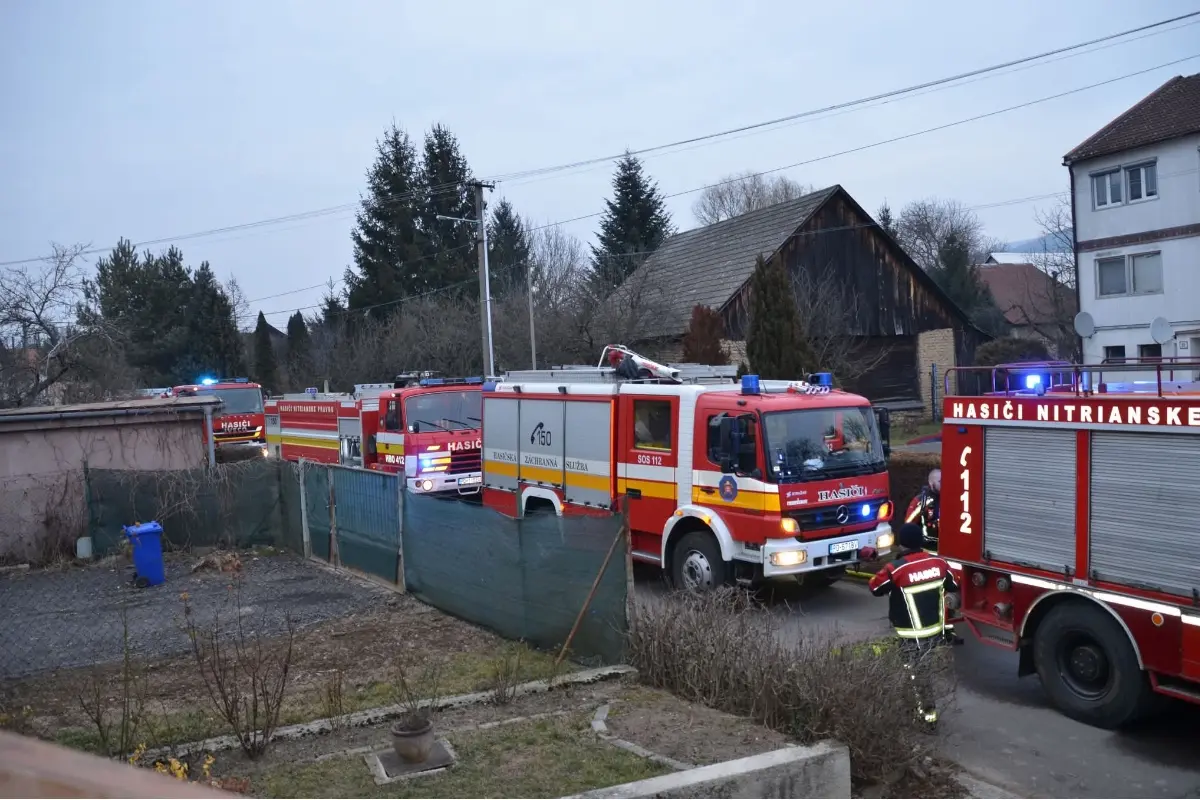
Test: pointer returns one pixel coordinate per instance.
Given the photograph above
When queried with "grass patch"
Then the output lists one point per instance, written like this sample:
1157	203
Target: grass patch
462	673
539	758
909	432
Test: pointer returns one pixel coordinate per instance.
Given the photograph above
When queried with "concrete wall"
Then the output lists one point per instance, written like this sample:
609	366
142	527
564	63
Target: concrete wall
43	505
821	770
935	347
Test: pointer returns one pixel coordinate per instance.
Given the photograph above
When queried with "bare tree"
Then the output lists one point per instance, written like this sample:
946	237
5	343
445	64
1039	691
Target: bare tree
923	227
44	339
1049	306
831	319
241	307
747	191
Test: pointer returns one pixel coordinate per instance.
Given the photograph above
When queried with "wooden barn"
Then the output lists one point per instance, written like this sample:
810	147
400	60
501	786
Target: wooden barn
871	306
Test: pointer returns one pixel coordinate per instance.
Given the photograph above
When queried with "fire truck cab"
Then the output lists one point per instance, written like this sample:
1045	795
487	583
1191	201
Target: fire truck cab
239	423
430	432
1070	508
424	428
725	481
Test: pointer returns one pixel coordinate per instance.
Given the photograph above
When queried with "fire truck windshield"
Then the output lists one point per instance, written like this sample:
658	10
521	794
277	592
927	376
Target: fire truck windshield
821	443
238	401
448	411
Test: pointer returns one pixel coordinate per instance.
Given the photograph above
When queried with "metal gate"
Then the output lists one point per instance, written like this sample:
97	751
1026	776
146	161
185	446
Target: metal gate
1145	506
1029	497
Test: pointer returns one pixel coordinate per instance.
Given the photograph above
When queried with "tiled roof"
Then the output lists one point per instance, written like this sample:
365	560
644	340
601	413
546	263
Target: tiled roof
1171	110
707	266
1025	294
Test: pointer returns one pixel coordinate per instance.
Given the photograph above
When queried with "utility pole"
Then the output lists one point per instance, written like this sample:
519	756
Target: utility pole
485	287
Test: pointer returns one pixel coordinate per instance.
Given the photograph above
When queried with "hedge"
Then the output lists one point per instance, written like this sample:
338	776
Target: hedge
907	473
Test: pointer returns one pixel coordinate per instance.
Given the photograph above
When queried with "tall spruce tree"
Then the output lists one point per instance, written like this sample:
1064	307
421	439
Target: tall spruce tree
449	245
509	249
634	224
775	344
885	219
959	279
215	342
390	244
175	324
299	353
266	370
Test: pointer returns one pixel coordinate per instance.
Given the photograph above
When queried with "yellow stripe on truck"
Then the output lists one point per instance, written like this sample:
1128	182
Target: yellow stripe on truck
659	489
503	468
390	448
581	480
750	501
307	441
587	480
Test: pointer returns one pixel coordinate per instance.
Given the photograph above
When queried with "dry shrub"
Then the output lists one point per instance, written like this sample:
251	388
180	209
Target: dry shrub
333	699
245	673
115	703
717	650
506	677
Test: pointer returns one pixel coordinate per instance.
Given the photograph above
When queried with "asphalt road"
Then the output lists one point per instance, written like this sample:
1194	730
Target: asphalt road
1003	730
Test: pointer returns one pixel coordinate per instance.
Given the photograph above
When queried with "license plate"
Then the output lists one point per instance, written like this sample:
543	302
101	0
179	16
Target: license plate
843	547
470	480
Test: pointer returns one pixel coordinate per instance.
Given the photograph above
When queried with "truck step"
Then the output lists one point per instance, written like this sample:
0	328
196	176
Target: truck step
1173	687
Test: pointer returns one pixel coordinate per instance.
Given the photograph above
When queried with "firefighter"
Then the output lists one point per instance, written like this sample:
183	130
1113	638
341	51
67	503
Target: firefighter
916	584
925	508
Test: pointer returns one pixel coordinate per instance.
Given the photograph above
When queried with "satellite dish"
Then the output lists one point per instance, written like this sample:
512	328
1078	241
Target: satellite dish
1160	330
1085	326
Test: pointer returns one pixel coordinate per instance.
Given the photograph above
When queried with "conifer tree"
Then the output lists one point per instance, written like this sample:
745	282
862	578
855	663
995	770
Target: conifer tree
775	344
509	249
449	256
634	224
702	340
389	243
266	371
299	357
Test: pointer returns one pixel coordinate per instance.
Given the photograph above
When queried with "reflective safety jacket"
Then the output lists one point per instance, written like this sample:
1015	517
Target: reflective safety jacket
917	583
924	510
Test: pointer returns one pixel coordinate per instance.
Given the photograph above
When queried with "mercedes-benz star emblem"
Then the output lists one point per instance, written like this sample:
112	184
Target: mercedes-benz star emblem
843	515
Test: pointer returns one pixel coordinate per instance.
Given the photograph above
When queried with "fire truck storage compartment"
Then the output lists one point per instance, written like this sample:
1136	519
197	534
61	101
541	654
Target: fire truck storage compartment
350	440
587	446
541	442
1145	503
273	430
1029	497
501	441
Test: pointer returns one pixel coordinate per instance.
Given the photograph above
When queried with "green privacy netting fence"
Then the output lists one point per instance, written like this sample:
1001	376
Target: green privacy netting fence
523	578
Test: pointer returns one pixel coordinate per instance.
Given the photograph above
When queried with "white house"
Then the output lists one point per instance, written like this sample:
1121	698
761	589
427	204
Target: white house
1135	187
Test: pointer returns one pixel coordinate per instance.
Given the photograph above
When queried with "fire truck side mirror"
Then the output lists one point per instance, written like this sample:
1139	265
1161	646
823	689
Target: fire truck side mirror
414	427
883	419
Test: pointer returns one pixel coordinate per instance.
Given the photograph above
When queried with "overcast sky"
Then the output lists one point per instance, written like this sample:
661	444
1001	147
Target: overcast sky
155	118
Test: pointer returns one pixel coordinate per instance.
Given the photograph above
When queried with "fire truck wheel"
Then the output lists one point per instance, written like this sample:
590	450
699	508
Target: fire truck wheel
1088	666
696	563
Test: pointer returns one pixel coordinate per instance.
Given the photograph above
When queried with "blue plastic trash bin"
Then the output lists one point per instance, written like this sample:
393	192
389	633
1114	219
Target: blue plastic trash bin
146	540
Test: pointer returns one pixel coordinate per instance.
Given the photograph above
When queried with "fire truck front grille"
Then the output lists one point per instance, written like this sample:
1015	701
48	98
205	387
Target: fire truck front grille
465	461
825	517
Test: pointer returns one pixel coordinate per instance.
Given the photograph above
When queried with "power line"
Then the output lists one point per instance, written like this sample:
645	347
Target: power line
848	104
450	187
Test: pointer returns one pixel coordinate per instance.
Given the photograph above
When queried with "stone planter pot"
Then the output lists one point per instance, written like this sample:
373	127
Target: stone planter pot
412	740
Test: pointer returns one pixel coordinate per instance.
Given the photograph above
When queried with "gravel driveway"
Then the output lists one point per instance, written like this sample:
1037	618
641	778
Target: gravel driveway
59	619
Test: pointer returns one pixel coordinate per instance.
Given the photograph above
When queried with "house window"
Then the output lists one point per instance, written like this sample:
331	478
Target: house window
1123	275
1111	276
1106	188
1114	353
1147	273
1150	351
652	424
1143	181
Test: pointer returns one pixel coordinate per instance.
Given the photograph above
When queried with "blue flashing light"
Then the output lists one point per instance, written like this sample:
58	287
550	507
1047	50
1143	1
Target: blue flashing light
207	381
866	510
241	380
489	386
1033	381
824	378
473	380
431	381
750	384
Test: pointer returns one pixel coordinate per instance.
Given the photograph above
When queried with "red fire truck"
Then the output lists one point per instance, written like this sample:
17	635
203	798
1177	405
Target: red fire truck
427	429
726	482
238	424
1069	504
